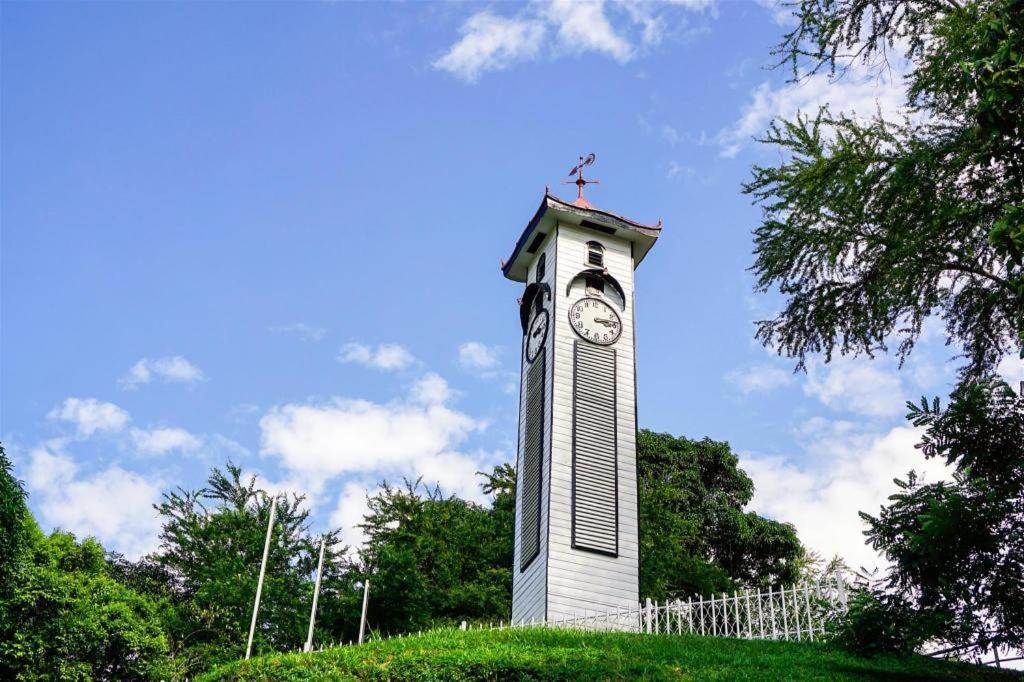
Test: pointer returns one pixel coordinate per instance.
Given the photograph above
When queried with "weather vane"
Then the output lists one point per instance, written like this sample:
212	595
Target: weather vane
580	181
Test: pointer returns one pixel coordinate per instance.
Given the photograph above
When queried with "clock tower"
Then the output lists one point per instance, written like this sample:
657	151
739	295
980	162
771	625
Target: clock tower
576	539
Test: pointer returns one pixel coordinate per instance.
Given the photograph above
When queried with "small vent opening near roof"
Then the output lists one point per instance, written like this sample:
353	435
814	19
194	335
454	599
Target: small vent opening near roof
595	254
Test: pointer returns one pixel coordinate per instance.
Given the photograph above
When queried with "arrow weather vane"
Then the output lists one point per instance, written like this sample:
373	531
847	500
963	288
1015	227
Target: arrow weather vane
580	181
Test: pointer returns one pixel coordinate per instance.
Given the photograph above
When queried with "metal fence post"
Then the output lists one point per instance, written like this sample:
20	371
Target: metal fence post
362	618
785	620
316	596
263	570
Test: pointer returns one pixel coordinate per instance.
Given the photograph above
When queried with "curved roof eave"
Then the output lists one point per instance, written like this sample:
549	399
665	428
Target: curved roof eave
647	233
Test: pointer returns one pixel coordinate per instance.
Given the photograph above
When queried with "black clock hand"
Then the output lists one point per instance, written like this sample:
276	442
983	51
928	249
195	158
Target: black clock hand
537	333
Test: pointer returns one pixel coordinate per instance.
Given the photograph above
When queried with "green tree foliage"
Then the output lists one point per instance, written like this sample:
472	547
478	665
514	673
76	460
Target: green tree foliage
871	226
695	537
212	545
72	621
14	532
62	614
433	559
956	547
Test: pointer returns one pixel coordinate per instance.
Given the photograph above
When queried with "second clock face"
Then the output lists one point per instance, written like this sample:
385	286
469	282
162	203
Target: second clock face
595	320
536	335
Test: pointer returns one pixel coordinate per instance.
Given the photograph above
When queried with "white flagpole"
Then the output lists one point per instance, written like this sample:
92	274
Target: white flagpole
362	619
316	595
263	570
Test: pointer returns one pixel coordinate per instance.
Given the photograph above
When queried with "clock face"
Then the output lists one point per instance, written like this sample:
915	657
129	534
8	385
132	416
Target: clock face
536	334
595	320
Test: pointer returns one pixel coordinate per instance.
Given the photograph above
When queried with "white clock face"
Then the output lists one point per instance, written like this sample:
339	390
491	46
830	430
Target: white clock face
595	320
536	334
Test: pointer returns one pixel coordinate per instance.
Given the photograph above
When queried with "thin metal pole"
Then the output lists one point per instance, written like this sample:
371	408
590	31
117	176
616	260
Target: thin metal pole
736	610
362	619
316	595
785	620
263	570
750	621
810	619
771	605
760	617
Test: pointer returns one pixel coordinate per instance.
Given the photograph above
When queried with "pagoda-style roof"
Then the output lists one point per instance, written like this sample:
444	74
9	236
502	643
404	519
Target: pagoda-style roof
553	210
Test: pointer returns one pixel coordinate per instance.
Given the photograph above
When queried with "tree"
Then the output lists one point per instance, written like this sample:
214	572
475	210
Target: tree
14	531
211	548
957	547
433	559
72	621
695	537
871	226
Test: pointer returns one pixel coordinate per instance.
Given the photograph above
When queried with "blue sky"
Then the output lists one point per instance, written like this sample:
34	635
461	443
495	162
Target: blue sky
271	232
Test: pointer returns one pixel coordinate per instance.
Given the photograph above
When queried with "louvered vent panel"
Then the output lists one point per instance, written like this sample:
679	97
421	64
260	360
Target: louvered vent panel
595	515
533	458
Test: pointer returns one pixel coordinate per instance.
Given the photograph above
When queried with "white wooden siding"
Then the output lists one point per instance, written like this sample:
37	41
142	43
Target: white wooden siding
529	587
579	580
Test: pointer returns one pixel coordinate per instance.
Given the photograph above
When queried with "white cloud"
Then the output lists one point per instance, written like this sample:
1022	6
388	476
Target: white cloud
491	43
858	385
114	505
162	440
781	12
431	389
859	91
846	472
1011	368
758	378
386	356
302	330
90	415
670	135
583	27
352	507
474	355
171	369
340	436
554	28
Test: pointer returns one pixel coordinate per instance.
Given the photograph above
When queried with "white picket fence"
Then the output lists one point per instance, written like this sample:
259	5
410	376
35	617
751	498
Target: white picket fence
801	612
794	613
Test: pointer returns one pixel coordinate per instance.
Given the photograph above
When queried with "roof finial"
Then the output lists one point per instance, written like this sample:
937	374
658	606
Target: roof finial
580	181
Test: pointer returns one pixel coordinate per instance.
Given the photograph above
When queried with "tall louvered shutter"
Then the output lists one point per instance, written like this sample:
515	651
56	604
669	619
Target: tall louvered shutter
595	481
533	453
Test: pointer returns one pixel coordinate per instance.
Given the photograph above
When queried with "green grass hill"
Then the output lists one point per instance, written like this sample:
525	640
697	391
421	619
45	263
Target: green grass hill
534	654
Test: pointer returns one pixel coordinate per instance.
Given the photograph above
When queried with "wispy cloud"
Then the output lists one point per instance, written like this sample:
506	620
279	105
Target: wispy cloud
859	91
491	43
759	378
171	369
112	504
302	330
90	415
388	357
554	28
476	356
842	469
161	440
418	435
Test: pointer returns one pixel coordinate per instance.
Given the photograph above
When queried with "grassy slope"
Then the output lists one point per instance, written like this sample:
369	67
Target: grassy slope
567	655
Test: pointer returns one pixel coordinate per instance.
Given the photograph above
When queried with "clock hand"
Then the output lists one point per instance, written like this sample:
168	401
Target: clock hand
607	323
537	333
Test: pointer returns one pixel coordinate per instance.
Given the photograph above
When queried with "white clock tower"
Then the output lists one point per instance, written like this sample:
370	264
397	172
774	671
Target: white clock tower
576	541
